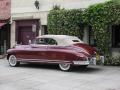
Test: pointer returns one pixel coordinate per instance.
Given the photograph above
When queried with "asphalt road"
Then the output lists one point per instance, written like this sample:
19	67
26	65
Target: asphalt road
49	77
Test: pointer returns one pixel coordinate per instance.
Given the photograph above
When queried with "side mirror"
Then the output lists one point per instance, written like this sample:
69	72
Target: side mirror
29	42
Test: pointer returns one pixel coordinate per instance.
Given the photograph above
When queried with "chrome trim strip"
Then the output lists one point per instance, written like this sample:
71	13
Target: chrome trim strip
43	60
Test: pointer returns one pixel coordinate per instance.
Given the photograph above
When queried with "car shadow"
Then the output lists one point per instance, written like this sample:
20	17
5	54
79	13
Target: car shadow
89	69
75	69
40	66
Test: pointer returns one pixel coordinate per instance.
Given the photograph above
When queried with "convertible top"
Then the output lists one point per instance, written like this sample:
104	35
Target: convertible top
63	40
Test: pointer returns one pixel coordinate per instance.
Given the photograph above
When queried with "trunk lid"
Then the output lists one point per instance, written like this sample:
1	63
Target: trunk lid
85	48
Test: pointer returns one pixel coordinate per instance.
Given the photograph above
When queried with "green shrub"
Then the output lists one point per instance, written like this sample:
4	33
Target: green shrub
100	17
67	22
113	61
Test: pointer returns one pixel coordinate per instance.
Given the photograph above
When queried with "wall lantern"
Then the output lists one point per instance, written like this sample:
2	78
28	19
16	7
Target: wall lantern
37	4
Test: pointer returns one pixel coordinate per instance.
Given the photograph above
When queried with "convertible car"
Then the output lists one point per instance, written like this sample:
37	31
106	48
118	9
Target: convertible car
63	50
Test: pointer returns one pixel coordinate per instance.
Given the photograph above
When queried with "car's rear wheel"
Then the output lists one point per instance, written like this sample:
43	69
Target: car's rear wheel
13	61
65	66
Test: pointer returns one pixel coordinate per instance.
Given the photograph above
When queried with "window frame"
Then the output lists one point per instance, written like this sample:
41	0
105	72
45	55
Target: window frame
114	36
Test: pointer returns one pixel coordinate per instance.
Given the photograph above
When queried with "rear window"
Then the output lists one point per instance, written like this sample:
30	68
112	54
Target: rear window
75	40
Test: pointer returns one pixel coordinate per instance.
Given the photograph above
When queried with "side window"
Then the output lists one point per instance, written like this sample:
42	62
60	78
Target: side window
46	41
51	41
41	41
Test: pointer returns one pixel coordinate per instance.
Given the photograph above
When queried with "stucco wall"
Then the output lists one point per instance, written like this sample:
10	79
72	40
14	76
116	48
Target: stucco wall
116	51
20	6
32	15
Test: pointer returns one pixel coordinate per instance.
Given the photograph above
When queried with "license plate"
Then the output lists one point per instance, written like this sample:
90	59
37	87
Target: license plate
81	62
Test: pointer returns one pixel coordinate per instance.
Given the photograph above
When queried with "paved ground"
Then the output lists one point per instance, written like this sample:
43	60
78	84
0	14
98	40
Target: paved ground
44	77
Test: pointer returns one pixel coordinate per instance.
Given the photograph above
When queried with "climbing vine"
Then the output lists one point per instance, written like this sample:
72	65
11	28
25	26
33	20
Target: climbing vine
65	22
100	17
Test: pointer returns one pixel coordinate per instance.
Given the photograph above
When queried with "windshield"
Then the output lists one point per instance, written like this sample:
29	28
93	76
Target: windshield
75	40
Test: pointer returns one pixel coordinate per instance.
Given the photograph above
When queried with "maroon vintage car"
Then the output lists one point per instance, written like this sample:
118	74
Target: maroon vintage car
63	50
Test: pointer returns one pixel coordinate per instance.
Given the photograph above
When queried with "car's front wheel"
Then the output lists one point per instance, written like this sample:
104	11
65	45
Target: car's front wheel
13	61
65	66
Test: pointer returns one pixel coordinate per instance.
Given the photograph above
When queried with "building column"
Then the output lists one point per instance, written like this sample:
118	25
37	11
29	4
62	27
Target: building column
86	35
12	41
40	29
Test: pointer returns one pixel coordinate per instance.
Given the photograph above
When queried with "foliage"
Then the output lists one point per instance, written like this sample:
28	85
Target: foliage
67	22
100	17
113	61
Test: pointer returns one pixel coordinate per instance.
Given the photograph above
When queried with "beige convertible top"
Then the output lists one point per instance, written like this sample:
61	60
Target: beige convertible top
63	40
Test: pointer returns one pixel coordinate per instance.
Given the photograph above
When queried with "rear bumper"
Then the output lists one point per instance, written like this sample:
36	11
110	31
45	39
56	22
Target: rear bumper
89	61
81	62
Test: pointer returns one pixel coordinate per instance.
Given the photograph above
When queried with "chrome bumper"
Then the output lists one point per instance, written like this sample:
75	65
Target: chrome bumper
89	61
81	62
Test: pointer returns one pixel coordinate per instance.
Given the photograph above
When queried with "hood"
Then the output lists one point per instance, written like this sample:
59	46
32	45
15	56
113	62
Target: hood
81	47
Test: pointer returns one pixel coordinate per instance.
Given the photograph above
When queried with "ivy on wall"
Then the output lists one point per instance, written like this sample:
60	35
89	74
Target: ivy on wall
66	22
100	17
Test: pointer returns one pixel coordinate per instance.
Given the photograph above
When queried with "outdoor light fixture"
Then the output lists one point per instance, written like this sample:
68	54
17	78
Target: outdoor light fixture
37	4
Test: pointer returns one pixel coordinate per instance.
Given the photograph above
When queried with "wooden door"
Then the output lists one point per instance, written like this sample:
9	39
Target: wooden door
25	34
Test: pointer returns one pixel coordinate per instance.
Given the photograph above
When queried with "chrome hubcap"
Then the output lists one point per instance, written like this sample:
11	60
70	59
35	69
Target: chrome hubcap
12	60
64	66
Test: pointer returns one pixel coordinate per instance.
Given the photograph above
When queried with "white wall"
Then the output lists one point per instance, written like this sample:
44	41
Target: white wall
20	6
21	9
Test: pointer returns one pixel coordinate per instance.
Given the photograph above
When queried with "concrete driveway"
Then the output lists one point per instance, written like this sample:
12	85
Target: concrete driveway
49	77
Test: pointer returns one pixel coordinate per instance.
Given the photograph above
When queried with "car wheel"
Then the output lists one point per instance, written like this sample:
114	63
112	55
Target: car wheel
65	66
13	61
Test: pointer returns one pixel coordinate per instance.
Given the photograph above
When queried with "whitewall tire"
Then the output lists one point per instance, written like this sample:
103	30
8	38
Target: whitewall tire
13	61
65	66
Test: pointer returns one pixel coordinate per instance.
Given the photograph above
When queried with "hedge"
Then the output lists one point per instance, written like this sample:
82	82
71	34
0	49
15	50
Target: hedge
100	17
68	22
